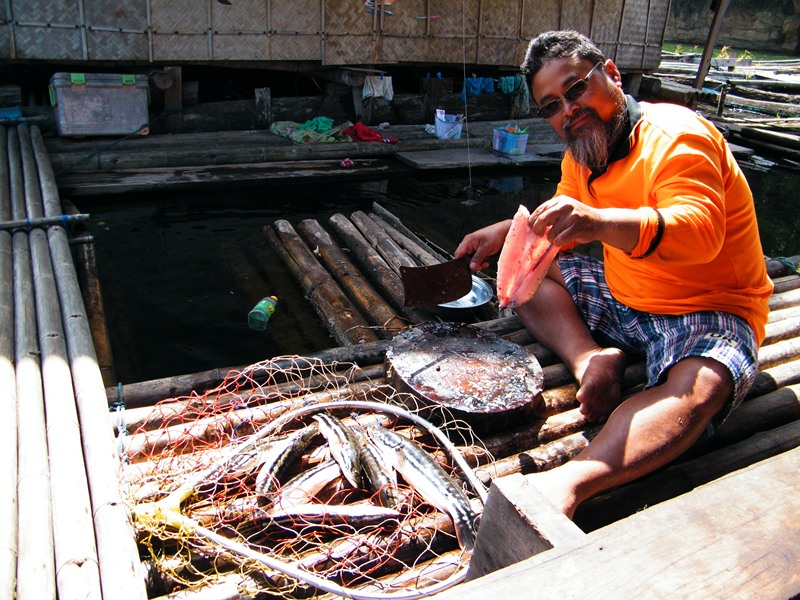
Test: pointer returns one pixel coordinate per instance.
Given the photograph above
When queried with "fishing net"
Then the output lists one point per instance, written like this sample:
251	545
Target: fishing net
248	487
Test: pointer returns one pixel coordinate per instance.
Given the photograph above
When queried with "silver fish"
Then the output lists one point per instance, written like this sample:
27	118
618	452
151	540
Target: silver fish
353	515
430	481
280	456
343	445
302	488
379	472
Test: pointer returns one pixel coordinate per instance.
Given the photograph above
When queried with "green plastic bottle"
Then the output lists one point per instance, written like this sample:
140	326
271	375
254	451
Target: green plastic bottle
259	316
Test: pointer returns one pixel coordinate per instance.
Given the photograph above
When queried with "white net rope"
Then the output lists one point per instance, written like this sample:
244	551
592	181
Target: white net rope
294	476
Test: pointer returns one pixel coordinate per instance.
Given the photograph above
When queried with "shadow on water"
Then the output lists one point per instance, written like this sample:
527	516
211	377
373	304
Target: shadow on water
179	273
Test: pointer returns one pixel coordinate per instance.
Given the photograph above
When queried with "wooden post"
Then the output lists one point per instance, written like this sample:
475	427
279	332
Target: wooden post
173	100
264	107
518	522
711	40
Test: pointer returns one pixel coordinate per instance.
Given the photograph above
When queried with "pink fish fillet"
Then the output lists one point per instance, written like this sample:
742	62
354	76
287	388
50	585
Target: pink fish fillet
523	262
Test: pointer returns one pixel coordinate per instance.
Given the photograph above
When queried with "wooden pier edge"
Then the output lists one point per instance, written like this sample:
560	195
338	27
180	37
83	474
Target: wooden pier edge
733	537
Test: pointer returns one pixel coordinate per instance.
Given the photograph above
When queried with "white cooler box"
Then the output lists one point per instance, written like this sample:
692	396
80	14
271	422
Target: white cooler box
100	104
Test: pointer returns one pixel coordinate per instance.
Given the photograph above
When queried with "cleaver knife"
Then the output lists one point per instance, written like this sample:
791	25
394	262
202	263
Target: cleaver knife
436	284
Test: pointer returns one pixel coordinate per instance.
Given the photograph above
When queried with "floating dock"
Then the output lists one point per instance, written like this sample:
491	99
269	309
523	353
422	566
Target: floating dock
67	529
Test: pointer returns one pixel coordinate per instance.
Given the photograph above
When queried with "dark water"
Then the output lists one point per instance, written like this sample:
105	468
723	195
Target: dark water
179	273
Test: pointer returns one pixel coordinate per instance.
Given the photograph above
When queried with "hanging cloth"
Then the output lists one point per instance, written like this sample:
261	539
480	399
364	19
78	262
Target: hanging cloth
436	87
378	86
516	85
475	86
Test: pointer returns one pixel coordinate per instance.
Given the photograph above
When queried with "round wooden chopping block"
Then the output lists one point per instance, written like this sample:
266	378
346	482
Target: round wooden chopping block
480	377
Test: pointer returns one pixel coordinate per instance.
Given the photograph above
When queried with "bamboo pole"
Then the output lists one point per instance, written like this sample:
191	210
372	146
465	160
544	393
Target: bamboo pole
8	395
779	352
42	222
153	417
147	393
75	550
395	222
369	302
421	254
180	438
784	284
344	321
376	268
782	330
785	299
95	307
761	414
391	252
36	563
540	458
772	378
120	567
75	553
784	313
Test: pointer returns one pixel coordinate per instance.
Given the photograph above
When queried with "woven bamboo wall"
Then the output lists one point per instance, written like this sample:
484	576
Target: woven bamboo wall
327	32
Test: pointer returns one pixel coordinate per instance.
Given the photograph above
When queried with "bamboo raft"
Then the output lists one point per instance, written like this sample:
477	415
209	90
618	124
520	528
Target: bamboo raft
65	527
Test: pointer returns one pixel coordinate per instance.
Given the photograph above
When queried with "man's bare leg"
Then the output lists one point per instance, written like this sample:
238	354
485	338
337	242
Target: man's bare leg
647	431
553	319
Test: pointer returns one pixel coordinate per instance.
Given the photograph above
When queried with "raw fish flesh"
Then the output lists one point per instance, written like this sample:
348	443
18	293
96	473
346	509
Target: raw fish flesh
523	262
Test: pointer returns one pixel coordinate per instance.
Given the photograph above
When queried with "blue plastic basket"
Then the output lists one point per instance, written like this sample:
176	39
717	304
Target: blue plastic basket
509	143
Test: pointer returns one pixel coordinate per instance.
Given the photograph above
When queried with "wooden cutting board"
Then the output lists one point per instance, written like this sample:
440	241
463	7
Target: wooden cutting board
491	383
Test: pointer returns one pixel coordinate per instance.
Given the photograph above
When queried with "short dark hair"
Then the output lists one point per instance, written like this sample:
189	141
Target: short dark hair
558	44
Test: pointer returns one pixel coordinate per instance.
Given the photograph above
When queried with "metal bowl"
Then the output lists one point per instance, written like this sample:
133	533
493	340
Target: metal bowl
479	295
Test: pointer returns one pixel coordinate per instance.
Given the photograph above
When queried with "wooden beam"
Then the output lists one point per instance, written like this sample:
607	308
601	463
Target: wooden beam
736	536
711	40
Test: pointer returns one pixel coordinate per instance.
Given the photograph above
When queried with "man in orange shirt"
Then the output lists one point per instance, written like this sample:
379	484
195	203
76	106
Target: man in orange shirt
682	281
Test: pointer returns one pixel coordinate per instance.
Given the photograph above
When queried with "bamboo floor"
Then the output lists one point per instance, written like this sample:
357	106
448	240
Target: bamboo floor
354	288
66	530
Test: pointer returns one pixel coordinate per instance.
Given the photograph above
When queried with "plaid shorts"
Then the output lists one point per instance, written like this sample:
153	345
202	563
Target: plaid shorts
662	339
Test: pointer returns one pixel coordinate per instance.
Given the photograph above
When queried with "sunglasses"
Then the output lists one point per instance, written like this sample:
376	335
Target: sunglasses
572	93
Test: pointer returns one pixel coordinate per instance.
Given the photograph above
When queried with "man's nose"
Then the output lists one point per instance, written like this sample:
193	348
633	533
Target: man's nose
568	107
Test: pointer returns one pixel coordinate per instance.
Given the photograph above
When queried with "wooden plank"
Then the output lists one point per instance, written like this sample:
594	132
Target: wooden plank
513	499
206	177
535	154
738	536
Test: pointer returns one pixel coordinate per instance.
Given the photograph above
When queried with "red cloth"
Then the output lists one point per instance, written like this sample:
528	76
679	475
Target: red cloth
361	133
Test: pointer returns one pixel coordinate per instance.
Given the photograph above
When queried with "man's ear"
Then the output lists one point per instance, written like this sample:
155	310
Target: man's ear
613	72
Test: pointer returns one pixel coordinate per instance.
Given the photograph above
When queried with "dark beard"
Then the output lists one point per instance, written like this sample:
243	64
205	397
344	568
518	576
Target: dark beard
591	148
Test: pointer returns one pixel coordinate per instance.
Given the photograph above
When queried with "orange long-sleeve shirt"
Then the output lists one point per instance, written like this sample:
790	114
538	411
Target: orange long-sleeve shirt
710	255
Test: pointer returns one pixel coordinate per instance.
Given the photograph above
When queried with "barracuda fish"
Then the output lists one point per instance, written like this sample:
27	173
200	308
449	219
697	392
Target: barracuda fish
379	472
305	486
353	515
343	445
279	457
430	481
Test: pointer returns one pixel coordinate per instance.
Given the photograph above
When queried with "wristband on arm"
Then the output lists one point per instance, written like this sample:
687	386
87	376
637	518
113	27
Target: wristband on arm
657	237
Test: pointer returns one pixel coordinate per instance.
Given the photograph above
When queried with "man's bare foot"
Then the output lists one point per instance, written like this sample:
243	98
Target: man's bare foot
600	379
557	489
